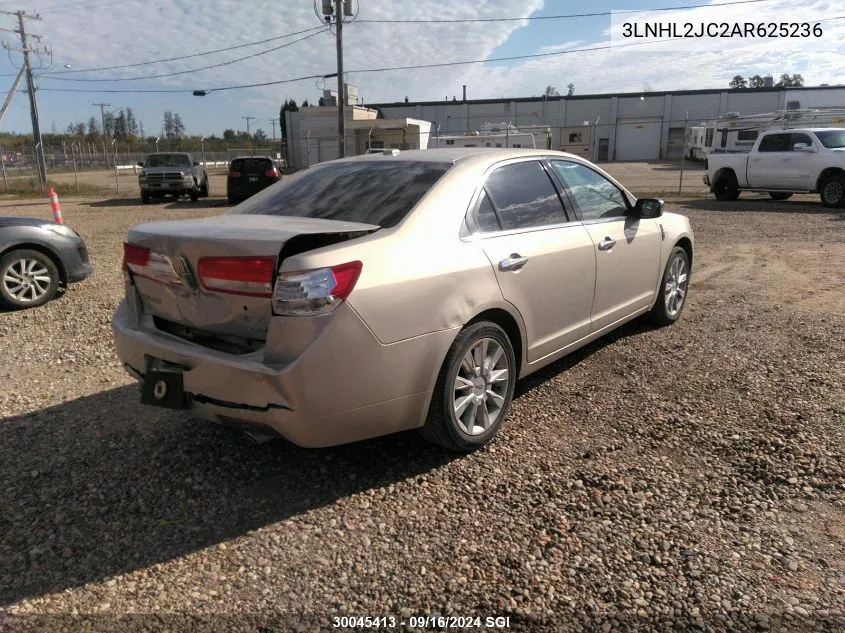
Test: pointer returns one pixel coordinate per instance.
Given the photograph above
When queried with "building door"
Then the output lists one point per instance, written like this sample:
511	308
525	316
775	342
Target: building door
638	139
604	149
675	145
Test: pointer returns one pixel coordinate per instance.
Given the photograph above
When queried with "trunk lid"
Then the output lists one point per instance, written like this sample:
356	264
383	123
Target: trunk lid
185	308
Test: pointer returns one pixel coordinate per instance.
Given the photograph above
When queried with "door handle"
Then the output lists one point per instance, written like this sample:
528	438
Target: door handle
606	244
513	263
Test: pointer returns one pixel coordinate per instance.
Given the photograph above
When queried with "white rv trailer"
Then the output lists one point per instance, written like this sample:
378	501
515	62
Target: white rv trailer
492	139
733	132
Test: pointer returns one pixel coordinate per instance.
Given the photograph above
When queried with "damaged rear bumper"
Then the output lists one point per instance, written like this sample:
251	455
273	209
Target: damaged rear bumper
343	387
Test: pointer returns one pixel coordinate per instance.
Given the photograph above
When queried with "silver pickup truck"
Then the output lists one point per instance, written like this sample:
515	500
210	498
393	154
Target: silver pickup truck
172	174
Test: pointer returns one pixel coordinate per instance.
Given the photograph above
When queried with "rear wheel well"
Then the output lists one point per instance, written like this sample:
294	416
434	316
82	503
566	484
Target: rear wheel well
724	171
830	171
44	251
505	321
686	244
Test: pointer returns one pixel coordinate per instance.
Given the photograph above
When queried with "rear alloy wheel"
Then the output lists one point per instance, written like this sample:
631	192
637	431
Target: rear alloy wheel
673	289
474	389
726	188
833	191
27	279
780	195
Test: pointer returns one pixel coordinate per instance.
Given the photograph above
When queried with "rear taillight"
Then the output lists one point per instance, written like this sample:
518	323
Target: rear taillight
307	292
142	262
248	276
272	173
234	174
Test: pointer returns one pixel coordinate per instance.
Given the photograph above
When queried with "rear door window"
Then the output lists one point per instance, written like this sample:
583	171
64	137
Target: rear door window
775	143
372	192
524	196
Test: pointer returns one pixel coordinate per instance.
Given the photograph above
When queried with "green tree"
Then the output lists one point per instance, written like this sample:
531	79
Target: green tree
738	82
551	91
756	81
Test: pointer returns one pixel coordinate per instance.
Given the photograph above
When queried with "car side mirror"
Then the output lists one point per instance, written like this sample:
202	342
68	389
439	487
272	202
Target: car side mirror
803	147
140	163
648	208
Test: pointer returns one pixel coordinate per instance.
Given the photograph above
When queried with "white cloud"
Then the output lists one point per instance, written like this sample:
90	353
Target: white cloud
140	30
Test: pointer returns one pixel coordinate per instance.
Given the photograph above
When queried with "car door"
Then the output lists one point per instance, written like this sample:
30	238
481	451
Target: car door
798	165
627	249
543	259
769	166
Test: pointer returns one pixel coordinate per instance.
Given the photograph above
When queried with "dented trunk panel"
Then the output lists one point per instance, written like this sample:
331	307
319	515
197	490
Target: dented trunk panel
185	242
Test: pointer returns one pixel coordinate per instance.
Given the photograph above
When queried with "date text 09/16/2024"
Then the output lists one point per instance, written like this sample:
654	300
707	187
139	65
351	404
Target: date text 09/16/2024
420	622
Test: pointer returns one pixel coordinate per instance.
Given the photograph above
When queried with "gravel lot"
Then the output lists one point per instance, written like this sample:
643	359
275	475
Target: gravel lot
689	478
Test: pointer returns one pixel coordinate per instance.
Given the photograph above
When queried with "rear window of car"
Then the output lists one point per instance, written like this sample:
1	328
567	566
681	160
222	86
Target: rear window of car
251	165
372	192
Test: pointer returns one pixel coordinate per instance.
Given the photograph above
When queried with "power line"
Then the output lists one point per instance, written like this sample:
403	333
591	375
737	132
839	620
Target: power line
408	67
173	59
191	70
557	17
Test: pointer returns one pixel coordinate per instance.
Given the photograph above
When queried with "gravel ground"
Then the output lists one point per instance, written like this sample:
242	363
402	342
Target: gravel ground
689	478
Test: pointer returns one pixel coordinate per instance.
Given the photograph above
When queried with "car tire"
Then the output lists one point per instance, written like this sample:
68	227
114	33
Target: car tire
832	191
674	286
194	193
780	195
459	416
204	188
726	188
28	279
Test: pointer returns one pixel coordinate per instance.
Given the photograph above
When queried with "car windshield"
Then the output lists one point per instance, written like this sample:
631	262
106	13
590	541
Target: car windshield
381	193
832	139
168	160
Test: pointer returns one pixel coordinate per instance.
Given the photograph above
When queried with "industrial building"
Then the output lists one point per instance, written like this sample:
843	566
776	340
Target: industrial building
603	127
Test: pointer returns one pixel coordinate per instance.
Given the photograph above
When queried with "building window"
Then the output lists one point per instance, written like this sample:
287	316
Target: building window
516	145
450	142
575	138
376	144
498	144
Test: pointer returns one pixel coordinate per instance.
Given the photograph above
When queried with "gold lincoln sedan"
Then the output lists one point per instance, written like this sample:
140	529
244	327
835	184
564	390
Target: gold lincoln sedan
393	291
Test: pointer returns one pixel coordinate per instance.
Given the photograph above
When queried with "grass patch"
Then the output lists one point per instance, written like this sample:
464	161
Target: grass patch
31	188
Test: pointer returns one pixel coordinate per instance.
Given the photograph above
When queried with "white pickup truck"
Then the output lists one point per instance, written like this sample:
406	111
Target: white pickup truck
783	162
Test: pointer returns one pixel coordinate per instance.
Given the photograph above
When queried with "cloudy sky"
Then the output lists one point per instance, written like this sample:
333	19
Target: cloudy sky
105	33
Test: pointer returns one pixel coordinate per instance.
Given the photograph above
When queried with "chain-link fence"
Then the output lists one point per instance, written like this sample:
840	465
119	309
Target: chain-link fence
77	156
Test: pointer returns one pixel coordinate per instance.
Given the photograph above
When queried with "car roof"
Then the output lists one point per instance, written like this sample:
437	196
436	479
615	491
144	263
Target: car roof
461	154
798	130
247	157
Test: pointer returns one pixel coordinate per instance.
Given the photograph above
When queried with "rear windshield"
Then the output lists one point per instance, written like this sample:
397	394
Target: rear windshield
251	165
373	192
832	139
168	160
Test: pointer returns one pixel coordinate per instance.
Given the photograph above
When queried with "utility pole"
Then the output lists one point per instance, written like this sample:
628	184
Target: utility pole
248	119
340	9
30	86
103	107
273	123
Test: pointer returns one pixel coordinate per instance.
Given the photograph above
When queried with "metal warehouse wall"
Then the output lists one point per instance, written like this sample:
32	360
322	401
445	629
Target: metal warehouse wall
630	126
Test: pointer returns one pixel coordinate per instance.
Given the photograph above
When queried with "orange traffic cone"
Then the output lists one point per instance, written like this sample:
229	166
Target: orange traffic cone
57	209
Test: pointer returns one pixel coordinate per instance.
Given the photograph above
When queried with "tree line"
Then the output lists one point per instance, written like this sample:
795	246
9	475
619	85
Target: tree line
756	81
